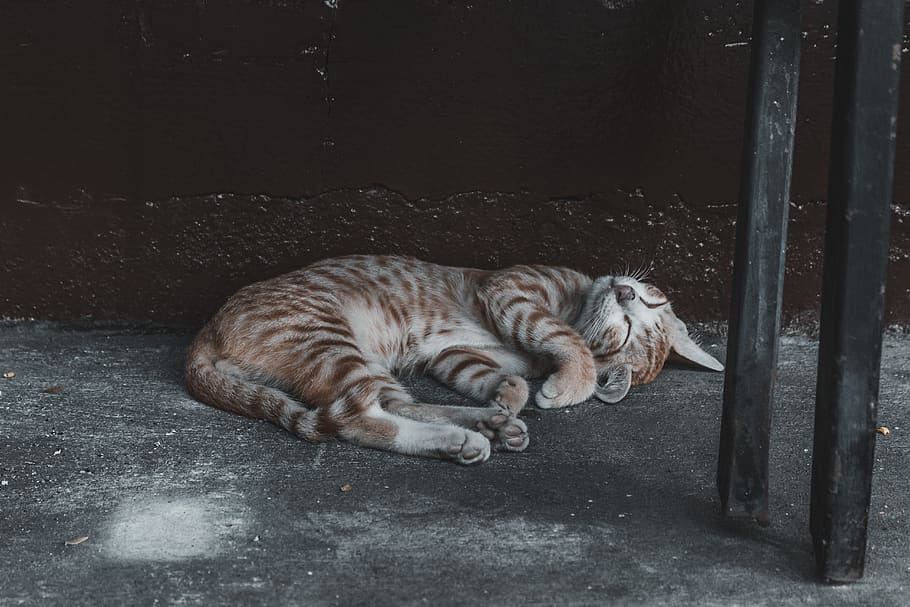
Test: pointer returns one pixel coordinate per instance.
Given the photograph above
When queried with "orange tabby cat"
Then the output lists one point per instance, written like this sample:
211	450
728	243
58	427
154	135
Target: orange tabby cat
318	350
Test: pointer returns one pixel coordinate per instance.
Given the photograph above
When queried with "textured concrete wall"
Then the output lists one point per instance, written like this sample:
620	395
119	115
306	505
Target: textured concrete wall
156	156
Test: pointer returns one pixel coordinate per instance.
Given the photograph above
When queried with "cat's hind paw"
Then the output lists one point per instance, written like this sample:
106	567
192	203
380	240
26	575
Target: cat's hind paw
468	447
512	437
506	433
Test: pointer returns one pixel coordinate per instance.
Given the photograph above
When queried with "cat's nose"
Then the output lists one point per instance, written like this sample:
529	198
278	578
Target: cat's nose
624	293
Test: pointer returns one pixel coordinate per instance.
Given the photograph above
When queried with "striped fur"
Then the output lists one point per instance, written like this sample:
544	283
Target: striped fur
318	351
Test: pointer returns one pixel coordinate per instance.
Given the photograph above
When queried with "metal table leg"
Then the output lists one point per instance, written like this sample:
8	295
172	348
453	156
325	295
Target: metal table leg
856	258
761	230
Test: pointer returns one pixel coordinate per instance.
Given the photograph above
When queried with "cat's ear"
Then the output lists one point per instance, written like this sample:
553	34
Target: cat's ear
615	384
684	346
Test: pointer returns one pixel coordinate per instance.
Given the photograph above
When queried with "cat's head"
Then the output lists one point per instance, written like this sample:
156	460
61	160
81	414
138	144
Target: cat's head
632	330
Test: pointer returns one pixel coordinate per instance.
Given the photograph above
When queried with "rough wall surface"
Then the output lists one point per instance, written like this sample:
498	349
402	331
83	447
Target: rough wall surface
156	156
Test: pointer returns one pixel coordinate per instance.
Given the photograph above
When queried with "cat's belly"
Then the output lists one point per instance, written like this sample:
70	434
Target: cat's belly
459	335
406	342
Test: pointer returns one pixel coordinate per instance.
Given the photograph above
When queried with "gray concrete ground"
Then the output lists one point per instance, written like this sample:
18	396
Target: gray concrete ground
610	505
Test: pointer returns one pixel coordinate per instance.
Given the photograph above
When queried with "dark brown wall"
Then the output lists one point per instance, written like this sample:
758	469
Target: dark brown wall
157	155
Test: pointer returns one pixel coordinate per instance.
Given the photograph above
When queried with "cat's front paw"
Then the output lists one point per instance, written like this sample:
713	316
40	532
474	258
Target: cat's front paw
512	436
467	447
512	394
562	391
506	432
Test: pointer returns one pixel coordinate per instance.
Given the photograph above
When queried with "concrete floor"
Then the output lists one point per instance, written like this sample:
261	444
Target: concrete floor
610	505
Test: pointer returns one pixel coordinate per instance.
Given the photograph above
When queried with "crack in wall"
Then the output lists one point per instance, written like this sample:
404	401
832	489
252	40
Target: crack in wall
327	141
330	37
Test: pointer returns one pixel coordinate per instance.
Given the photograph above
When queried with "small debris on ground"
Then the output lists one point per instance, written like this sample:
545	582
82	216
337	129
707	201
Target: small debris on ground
345	488
75	541
9	375
54	390
884	431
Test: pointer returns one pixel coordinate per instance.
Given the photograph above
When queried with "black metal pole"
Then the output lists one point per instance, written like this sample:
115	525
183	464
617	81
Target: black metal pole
761	234
856	260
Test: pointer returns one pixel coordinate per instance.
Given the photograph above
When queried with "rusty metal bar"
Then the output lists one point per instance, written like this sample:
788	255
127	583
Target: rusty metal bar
856	261
758	271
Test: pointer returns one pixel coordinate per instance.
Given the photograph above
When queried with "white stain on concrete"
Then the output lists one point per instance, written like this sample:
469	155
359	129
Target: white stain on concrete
171	528
352	537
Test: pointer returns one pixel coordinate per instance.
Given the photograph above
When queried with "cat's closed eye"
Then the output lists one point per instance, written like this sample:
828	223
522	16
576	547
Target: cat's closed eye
654	304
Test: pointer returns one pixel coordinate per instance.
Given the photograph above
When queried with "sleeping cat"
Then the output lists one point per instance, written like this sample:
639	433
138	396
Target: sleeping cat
317	351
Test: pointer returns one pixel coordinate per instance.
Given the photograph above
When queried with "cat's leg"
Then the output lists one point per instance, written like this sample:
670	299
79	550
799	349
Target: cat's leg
381	429
355	414
529	327
505	431
497	421
491	375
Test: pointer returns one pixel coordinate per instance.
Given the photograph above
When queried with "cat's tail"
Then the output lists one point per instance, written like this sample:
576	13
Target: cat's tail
216	381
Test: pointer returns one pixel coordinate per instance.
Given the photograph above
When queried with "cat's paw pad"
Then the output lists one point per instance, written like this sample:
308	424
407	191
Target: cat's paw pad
494	419
511	436
512	393
467	447
556	392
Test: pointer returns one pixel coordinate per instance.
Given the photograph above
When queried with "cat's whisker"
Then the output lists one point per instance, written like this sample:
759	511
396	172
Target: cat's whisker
643	270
